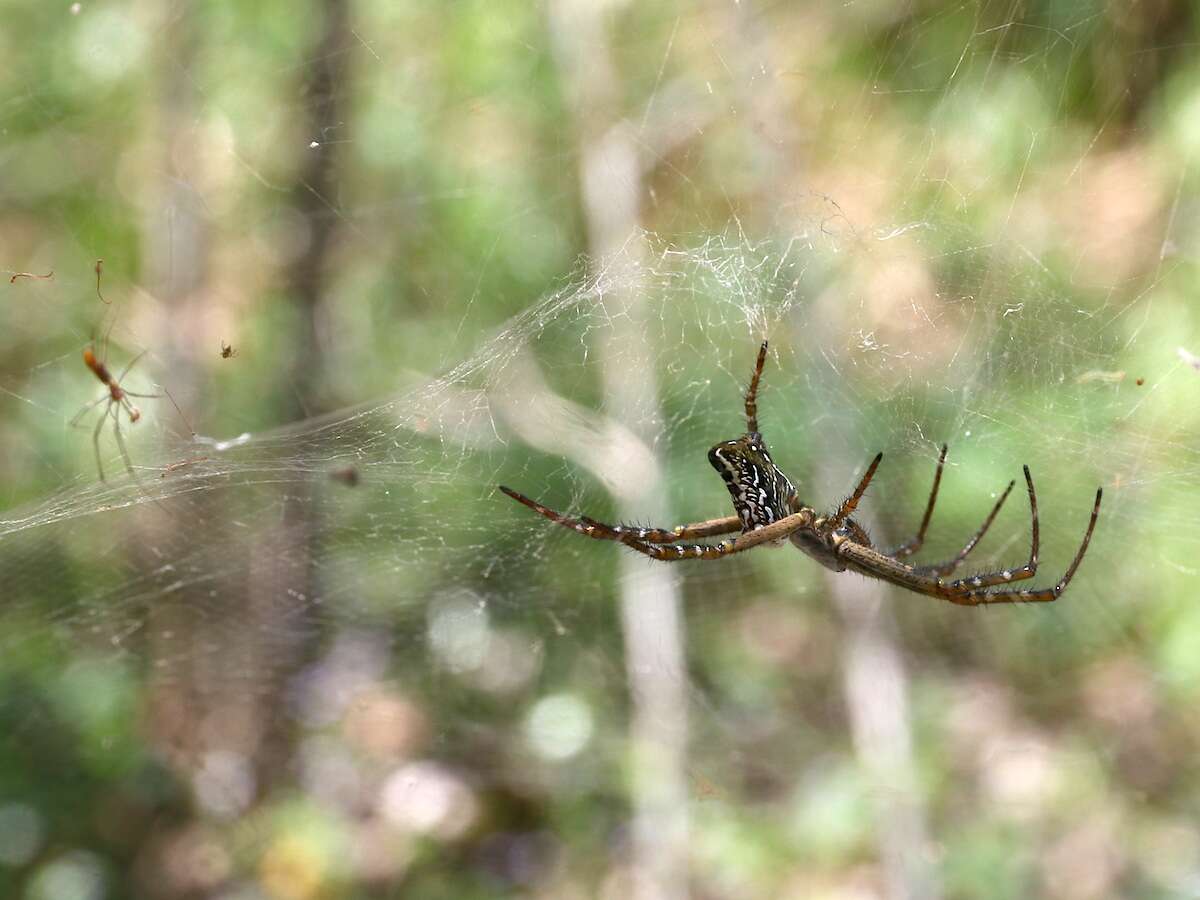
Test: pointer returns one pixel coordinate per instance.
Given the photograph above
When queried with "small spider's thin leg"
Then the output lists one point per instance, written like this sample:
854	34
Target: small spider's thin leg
191	430
908	548
168	395
946	568
592	528
121	445
165	392
752	391
133	362
78	417
96	439
834	521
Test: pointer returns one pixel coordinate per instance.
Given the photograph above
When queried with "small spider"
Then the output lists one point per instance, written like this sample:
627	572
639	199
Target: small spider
182	464
769	512
49	276
117	399
227	351
99	270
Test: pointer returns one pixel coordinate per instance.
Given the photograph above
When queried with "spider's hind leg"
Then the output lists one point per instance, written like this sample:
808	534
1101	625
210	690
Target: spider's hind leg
948	567
1044	595
1004	576
911	546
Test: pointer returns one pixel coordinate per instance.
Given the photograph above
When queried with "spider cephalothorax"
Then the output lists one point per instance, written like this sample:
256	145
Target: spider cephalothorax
769	512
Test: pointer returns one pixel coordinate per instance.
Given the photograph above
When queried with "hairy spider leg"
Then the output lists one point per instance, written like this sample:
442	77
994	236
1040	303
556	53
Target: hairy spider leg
1003	576
848	506
909	547
777	531
948	567
625	533
965	591
672	552
752	391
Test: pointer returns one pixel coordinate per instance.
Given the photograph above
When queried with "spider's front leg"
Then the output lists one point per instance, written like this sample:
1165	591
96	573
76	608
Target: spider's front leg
661	544
766	534
835	520
626	533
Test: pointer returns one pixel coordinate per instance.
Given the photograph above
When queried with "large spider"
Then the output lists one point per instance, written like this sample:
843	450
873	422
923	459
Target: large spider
769	512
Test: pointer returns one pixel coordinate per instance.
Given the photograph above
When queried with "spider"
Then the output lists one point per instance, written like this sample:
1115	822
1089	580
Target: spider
117	398
769	512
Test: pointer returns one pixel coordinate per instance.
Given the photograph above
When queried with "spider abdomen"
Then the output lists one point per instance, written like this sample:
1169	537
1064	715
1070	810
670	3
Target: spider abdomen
761	493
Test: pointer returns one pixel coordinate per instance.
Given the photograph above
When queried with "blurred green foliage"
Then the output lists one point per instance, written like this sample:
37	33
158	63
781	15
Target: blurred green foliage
994	206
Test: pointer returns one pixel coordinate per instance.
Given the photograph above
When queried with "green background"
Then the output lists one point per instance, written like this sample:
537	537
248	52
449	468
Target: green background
459	244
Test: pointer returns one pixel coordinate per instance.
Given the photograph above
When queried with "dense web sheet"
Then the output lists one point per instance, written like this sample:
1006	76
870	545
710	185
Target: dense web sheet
408	484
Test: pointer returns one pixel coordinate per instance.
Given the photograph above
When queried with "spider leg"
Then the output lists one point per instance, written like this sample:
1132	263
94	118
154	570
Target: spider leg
78	417
167	394
1042	595
908	548
848	506
946	568
963	592
988	579
624	533
121	444
776	531
752	391
133	362
96	439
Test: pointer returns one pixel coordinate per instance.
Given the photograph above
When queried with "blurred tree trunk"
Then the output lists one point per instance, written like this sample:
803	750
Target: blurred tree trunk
875	682
610	172
225	704
283	572
177	238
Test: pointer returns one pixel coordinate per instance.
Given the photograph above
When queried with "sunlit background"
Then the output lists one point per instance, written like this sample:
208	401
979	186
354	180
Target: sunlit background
386	256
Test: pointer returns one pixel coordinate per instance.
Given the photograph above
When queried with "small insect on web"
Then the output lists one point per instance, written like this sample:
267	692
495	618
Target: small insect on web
770	512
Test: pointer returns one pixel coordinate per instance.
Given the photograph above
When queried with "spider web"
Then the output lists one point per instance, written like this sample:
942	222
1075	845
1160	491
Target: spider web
345	607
